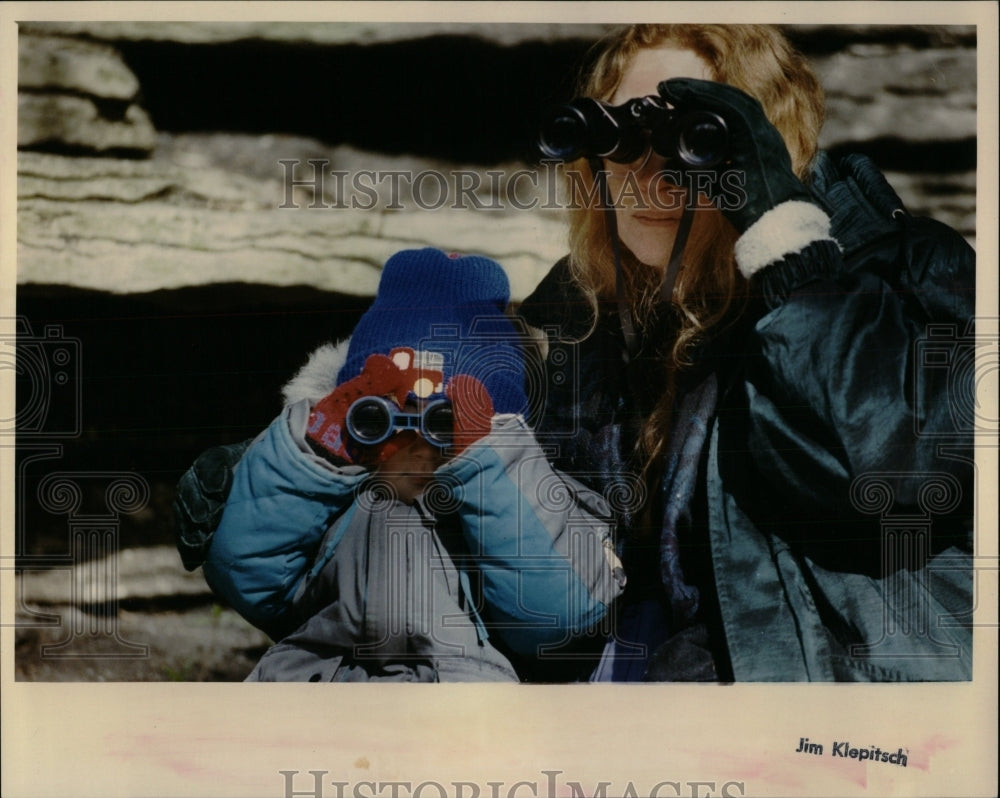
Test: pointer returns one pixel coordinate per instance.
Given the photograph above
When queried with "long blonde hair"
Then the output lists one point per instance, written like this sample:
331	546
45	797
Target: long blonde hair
709	290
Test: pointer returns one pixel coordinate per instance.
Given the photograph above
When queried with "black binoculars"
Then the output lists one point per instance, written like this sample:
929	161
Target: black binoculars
589	128
372	420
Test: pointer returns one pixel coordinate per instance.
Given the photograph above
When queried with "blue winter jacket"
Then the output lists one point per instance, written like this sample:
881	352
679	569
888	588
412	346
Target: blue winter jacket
355	585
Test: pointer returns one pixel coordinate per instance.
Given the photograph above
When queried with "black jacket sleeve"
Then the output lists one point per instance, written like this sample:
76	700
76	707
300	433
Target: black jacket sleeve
861	372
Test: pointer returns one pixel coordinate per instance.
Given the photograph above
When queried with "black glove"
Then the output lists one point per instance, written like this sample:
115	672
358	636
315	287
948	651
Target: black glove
756	148
201	498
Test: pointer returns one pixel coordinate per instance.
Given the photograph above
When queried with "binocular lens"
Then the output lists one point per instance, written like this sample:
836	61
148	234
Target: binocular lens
369	421
438	424
564	135
560	138
703	140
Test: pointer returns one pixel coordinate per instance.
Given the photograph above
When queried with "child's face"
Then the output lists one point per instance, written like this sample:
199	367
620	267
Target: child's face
410	468
407	461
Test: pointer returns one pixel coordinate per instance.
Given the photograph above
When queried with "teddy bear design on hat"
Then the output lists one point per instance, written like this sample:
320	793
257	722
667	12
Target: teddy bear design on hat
436	331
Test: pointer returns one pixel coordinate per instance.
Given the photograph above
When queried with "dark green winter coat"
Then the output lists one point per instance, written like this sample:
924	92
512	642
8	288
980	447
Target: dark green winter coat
815	505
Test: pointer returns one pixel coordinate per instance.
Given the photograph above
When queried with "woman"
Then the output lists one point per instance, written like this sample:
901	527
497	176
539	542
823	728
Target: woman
740	394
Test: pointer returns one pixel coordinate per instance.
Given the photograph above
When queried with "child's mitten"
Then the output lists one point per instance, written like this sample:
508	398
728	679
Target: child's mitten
326	430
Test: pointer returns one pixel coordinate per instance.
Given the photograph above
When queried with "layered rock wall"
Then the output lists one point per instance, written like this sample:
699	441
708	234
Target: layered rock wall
239	111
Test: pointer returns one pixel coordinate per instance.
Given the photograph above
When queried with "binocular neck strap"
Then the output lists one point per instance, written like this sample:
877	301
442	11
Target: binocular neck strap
670	274
676	253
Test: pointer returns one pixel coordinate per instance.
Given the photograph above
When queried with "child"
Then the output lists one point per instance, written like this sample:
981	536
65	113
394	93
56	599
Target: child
398	520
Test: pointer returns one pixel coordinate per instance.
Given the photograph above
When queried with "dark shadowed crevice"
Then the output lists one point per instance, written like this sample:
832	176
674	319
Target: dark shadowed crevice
156	378
385	97
896	154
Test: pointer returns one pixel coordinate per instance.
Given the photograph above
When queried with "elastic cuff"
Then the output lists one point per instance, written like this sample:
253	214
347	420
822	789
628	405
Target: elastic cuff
820	260
789	227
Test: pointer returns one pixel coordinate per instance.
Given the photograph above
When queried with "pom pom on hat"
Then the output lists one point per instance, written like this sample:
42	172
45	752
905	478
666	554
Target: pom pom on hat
449	310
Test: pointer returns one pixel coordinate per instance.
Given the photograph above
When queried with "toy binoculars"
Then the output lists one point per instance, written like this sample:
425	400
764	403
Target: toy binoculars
372	420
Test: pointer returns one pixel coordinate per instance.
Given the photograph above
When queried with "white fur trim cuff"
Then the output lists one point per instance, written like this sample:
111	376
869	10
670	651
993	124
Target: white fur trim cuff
787	228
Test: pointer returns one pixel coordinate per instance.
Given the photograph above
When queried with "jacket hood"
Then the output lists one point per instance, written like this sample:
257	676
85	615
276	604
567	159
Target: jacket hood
318	377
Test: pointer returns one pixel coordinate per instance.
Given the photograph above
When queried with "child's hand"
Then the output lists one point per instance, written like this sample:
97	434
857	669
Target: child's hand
382	376
326	429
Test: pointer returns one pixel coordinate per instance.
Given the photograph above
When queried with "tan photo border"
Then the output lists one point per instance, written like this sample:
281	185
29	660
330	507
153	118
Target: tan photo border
130	739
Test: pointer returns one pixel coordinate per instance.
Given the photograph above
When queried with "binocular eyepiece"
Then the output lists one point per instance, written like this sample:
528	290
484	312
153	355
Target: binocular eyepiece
372	420
589	128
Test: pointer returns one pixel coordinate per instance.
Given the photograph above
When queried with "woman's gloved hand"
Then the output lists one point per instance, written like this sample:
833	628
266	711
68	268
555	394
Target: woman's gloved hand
758	159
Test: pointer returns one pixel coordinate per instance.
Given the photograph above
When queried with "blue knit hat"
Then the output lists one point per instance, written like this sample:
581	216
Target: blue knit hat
451	308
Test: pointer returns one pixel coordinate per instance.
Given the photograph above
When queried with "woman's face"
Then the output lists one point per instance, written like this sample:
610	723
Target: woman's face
648	208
